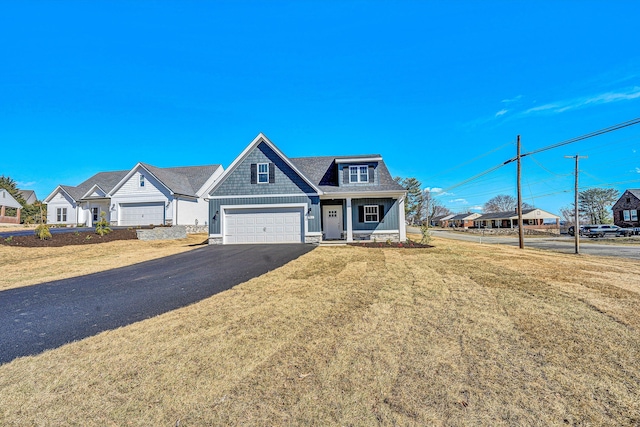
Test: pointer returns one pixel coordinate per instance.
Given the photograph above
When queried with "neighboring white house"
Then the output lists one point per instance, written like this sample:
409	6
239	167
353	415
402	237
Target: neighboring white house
7	201
144	195
29	196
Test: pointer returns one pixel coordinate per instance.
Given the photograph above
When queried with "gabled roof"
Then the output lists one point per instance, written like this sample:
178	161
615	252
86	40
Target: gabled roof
92	190
323	172
442	217
261	138
635	192
7	200
105	180
180	180
463	216
26	194
514	215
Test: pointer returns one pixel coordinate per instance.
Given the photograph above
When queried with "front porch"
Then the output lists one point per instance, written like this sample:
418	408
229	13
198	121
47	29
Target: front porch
349	219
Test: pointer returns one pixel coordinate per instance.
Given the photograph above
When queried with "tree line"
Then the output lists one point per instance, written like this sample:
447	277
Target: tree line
421	204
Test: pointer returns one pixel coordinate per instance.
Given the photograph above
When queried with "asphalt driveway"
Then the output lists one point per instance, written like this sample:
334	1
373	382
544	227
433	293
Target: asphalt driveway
46	316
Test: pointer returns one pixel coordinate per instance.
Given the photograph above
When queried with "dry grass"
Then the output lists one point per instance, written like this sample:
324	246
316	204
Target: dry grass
461	334
29	266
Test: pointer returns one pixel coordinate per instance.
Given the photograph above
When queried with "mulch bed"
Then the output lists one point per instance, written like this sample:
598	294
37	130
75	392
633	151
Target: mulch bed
72	238
404	245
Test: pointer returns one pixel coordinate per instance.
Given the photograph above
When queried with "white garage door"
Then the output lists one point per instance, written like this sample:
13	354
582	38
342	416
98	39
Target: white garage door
268	225
142	213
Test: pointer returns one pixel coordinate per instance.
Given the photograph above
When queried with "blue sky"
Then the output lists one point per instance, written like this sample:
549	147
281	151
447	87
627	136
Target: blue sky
440	89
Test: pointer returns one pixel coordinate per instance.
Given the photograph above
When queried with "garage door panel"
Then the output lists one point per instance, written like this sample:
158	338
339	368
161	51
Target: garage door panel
264	225
132	214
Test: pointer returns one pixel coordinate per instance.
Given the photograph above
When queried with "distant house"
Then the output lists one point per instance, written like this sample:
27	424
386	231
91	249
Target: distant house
144	195
7	201
531	218
440	220
29	196
463	220
627	209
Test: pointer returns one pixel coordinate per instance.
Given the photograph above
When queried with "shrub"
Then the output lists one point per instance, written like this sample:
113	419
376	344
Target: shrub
426	235
42	232
8	239
102	226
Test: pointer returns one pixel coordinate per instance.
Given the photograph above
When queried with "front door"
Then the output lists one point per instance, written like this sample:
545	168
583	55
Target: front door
332	221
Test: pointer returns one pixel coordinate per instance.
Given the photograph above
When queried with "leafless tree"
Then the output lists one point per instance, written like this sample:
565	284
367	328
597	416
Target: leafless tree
503	203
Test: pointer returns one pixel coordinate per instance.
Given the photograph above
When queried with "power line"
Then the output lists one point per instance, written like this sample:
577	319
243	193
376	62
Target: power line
549	147
580	138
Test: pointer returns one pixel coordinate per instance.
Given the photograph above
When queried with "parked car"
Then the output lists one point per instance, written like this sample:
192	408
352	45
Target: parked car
584	230
602	230
626	232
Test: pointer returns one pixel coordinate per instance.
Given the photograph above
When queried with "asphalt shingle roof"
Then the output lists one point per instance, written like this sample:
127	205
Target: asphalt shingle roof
504	214
185	180
635	192
323	172
180	180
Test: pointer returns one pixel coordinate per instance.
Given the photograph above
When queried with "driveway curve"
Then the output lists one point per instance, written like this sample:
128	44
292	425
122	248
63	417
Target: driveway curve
41	317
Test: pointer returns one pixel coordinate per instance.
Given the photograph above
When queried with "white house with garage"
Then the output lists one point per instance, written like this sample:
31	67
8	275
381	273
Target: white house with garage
145	195
266	197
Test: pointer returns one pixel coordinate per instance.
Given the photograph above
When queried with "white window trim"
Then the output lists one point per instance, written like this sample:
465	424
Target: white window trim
634	215
626	214
358	174
142	181
262	173
61	214
377	214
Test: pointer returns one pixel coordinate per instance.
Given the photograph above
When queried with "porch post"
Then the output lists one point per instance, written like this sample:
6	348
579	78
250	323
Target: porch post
401	220
349	221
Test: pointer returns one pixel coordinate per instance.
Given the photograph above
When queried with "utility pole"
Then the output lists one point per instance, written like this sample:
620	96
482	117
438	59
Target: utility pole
576	221
519	178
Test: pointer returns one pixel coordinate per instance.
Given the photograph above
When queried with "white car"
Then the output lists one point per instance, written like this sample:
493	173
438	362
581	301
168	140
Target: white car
604	230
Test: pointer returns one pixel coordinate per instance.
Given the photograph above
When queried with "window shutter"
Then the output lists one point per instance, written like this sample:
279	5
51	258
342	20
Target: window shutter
380	211
360	213
371	174
254	173
272	173
345	173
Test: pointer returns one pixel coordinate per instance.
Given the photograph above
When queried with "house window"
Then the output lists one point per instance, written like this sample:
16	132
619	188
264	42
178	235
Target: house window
371	213
634	215
61	214
628	199
263	173
95	212
141	180
626	215
358	174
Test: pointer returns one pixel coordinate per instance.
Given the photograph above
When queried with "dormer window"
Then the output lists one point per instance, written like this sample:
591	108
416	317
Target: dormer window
358	174
141	180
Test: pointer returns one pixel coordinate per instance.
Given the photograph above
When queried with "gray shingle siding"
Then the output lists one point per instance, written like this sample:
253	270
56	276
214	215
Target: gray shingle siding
311	201
287	181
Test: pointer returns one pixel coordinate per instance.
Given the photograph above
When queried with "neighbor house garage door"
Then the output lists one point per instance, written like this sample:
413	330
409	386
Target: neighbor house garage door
142	213
267	225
